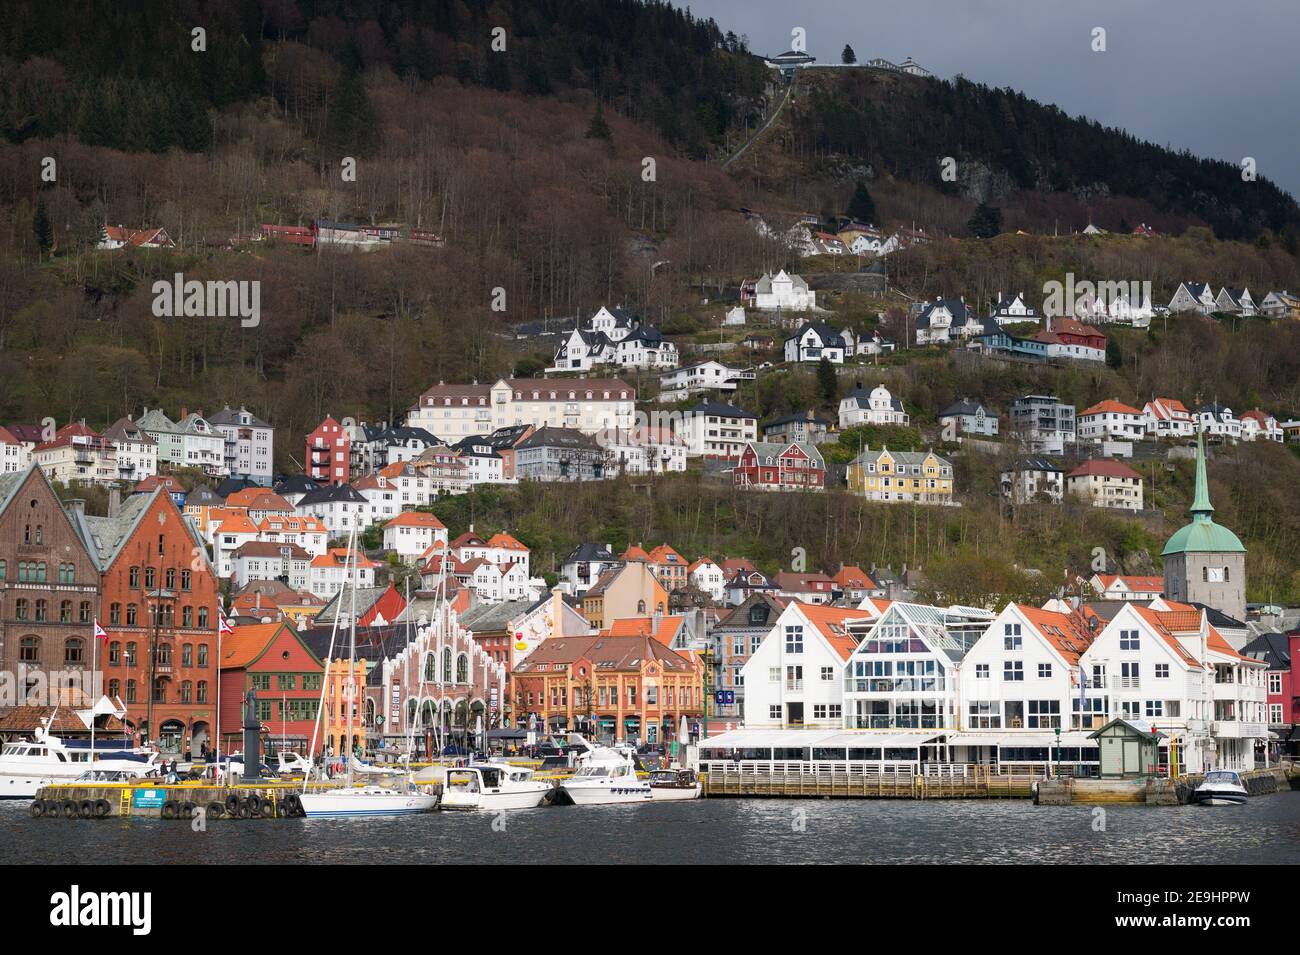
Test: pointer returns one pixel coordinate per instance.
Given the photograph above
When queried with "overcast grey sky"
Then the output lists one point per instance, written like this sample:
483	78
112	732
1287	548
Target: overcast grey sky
1218	77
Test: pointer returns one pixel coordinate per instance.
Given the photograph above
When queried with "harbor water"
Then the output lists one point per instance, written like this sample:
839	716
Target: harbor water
726	831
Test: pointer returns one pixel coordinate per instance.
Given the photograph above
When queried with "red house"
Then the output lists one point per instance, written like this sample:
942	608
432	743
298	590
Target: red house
769	466
291	234
272	660
1069	331
328	449
1280	651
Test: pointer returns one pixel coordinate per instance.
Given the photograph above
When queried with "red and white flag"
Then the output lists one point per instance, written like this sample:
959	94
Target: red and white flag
100	633
223	625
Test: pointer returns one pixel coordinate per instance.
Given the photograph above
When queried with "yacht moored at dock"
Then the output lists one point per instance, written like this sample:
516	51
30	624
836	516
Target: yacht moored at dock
26	766
605	777
493	786
671	785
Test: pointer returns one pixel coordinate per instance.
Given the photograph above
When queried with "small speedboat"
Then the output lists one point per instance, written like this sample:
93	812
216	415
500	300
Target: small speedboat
668	785
606	777
1221	788
493	786
365	801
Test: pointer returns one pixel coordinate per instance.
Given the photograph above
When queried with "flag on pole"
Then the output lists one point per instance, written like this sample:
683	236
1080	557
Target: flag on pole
223	625
100	633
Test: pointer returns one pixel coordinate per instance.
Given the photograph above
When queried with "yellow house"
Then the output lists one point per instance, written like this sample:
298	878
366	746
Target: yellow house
337	693
922	477
628	590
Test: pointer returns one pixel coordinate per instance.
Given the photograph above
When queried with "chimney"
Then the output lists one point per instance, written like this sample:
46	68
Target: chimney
75	505
114	501
184	412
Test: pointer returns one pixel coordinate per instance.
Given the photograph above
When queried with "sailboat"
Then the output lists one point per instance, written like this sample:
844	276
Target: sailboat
351	800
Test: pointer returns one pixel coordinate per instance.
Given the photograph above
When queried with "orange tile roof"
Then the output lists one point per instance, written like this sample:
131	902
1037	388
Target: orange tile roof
236	523
664	554
246	644
258	499
1067	633
506	541
1115	469
338	557
1109	406
295	523
830	623
416	519
700	563
635	553
644	627
1134	582
855	577
1163	623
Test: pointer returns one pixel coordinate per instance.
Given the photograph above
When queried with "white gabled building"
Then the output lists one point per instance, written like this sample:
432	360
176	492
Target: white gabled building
1218	421
137	453
645	348
1013	309
817	340
708	576
876	406
1260	425
249	444
340	507
1023	673
1193	297
1167	418
783	291
1165	664
411	533
796	676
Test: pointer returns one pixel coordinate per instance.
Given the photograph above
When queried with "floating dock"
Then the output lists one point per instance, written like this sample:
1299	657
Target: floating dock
1156	791
263	800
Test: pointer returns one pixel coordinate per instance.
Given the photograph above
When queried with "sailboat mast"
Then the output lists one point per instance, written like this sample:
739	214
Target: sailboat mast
352	659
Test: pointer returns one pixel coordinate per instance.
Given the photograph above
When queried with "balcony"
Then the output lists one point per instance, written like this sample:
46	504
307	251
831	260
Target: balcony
1235	729
1242	692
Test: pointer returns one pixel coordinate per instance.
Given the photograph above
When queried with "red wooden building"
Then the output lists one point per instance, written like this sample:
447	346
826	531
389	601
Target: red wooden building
159	606
771	466
328	450
272	660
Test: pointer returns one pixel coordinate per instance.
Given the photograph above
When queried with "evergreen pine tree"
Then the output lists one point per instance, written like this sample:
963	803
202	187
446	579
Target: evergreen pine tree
828	382
862	207
985	222
848	56
351	125
43	228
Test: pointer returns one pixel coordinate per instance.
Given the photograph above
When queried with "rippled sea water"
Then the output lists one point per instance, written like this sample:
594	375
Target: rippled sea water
727	831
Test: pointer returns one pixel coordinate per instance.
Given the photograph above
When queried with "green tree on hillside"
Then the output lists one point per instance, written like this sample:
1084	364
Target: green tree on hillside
598	128
848	56
350	125
828	382
862	208
985	222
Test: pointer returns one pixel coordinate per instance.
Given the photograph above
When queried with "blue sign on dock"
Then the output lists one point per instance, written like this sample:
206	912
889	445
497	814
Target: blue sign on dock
149	798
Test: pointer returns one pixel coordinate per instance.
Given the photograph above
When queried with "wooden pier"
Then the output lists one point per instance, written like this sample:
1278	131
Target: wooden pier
984	783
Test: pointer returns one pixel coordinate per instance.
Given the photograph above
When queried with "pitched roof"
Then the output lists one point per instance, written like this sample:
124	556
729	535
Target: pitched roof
831	624
1101	468
1067	633
416	519
1109	406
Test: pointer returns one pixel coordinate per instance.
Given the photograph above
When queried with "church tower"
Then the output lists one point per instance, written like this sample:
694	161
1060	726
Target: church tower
1204	562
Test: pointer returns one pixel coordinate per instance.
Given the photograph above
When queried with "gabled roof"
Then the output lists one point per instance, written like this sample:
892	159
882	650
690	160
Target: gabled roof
1067	634
831	623
245	646
332	494
124	429
416	519
589	553
1109	406
1103	468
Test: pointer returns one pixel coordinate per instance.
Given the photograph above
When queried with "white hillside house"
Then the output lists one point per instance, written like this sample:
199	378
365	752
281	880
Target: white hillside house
783	291
876	406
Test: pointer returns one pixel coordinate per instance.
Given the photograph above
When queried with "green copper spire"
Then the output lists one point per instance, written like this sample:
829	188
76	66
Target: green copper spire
1201	506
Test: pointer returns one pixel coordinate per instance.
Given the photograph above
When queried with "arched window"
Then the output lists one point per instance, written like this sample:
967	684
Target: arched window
114	688
130	615
150	578
115	613
40	570
74	650
65	611
187	655
130	692
129	659
430	668
38	538
29	650
21	608
202	696
640	606
203	654
160	690
42	611
114	653
446	665
3	566
187	691
164	655
187	616
410	711
462	669
83	612
170	578
203	618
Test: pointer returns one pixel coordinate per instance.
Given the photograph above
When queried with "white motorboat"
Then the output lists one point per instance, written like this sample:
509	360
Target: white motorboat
27	766
670	785
606	777
365	801
1221	788
493	786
